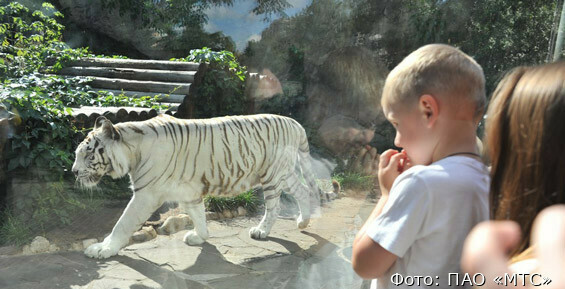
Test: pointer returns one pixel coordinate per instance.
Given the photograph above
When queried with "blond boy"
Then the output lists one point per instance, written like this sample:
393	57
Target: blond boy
436	189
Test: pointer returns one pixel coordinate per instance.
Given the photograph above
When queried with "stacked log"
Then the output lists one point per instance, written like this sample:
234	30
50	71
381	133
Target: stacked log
169	81
86	116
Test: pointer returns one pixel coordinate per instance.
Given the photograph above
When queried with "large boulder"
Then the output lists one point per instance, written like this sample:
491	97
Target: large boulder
344	104
349	82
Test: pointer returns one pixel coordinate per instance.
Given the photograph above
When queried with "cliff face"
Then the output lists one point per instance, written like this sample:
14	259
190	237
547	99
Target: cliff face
90	14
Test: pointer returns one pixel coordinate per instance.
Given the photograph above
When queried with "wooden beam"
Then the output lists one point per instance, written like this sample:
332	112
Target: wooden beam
131	73
143	86
136	63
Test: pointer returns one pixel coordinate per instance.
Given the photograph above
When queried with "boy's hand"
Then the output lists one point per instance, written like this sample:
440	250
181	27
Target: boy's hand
391	164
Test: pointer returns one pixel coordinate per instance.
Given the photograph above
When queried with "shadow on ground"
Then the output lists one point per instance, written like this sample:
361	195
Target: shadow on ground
289	258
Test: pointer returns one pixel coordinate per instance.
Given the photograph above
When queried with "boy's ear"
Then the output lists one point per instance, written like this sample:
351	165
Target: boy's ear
429	107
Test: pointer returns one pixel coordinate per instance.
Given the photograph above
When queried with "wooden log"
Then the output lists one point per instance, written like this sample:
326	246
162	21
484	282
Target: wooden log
143	115
110	116
133	116
91	109
80	117
130	73
137	63
80	120
122	115
143	86
92	119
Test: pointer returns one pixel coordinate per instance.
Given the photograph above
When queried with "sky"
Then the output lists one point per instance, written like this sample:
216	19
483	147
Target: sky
241	24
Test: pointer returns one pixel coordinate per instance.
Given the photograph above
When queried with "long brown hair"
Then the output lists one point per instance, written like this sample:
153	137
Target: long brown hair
525	141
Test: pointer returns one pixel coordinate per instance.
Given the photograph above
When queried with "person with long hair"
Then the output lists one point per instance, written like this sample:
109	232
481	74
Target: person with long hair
525	136
524	140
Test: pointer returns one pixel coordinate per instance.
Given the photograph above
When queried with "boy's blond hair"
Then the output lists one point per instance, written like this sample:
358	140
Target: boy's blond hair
439	70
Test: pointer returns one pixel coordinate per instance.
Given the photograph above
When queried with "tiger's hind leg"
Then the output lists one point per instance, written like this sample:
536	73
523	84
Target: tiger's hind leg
197	213
302	196
271	196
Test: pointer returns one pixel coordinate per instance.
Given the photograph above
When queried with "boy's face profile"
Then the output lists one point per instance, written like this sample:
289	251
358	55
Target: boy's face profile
412	133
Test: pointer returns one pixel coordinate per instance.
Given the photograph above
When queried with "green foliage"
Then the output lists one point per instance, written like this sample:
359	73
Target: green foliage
296	62
354	181
218	60
288	43
14	230
499	34
58	203
247	200
42	107
165	16
505	34
221	91
180	23
27	38
44	137
44	201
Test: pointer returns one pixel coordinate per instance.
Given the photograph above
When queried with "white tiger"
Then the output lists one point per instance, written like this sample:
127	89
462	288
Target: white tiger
170	159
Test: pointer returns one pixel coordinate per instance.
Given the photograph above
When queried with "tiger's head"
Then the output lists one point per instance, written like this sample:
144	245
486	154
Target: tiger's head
95	155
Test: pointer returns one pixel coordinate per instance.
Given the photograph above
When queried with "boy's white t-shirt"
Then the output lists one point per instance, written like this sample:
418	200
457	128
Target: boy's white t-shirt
430	211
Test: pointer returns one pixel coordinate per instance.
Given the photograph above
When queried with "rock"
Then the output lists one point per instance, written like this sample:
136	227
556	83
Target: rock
329	188
227	214
211	216
77	246
39	245
53	248
365	161
88	242
343	135
349	82
344	99
262	86
26	250
145	234
234	213
241	211
174	224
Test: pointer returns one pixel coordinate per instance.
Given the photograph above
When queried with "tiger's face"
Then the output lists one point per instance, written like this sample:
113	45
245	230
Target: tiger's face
92	160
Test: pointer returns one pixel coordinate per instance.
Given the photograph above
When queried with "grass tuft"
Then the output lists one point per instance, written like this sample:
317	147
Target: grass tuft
13	230
355	181
247	200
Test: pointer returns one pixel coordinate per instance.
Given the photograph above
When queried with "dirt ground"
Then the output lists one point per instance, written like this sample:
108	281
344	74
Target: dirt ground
316	257
99	224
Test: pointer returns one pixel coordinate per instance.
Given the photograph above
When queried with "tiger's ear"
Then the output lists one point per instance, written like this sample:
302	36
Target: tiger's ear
108	129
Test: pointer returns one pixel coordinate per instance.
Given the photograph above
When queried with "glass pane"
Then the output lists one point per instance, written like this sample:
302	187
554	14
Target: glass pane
214	143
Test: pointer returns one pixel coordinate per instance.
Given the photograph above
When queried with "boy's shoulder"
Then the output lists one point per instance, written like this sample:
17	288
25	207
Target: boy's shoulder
443	175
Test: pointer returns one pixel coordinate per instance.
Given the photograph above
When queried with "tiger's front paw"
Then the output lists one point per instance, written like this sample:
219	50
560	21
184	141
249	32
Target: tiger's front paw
101	250
192	238
257	233
302	223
